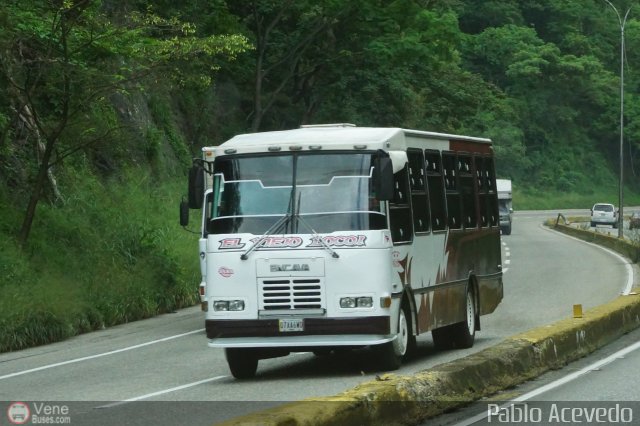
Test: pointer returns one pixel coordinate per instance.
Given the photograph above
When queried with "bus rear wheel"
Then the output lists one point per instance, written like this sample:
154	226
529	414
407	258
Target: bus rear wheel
464	333
460	335
243	363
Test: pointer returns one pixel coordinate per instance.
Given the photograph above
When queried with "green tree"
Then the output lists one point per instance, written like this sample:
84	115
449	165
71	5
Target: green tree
559	98
59	59
388	66
284	33
478	15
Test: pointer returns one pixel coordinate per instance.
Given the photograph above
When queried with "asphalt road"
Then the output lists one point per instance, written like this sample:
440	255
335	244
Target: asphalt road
166	358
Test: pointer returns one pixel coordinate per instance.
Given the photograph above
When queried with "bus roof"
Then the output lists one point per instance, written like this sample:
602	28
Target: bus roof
333	136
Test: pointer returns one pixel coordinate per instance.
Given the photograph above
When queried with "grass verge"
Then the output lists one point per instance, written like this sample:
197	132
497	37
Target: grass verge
528	199
113	253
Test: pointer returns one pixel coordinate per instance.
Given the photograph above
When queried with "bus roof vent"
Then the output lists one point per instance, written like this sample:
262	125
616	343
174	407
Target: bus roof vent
311	126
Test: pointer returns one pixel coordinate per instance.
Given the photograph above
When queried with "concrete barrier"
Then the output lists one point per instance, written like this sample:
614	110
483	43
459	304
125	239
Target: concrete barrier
624	247
396	399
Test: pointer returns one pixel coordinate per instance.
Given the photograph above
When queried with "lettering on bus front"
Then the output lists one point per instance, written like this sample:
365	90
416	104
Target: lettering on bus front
339	241
278	242
231	243
294	242
295	267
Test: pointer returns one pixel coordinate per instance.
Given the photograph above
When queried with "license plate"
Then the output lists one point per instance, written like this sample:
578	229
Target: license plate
288	325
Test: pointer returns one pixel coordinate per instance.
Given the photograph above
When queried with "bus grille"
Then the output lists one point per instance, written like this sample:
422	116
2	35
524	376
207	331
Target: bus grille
291	293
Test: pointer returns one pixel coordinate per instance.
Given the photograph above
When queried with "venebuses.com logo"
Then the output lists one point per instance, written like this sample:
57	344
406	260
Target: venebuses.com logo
18	413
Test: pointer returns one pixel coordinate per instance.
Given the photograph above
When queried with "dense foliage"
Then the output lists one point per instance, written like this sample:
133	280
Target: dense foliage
104	102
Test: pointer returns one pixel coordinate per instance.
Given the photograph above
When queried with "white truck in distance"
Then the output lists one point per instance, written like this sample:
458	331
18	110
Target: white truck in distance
505	205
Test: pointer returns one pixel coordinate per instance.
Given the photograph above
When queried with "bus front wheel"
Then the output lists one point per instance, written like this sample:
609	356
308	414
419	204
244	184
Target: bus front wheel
391	354
243	363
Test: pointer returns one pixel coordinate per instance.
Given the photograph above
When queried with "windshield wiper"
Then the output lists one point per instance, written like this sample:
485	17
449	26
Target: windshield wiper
324	244
274	229
319	238
280	223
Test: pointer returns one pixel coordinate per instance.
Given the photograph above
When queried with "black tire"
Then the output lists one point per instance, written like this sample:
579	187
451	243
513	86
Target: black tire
507	230
391	354
243	363
460	335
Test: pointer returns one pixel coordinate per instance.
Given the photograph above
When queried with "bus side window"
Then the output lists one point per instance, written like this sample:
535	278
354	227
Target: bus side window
467	191
435	190
483	196
454	202
401	224
490	178
419	200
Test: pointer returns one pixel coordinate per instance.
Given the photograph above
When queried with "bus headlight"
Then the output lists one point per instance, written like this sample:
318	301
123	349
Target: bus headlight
236	305
364	302
356	302
347	302
228	305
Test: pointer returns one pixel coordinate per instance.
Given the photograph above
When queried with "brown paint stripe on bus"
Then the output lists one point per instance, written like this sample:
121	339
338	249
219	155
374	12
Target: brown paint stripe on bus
471	147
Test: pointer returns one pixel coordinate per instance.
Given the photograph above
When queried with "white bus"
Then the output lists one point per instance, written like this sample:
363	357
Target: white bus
337	236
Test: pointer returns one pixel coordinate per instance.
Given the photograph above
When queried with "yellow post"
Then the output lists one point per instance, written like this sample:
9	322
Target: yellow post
577	311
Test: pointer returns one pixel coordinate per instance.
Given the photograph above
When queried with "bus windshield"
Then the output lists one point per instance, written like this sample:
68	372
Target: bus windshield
325	192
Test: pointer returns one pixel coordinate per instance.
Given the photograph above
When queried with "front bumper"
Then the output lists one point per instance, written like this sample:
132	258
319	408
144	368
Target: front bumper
312	327
317	332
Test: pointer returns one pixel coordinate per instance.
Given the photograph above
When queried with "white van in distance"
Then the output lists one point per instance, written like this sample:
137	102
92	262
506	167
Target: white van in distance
604	214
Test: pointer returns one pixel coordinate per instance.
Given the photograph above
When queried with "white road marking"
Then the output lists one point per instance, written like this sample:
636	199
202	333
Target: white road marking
592	367
557	383
100	355
507	253
162	392
629	284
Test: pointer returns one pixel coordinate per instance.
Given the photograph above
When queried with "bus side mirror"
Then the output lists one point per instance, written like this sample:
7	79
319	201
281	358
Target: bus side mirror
184	213
196	187
383	178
